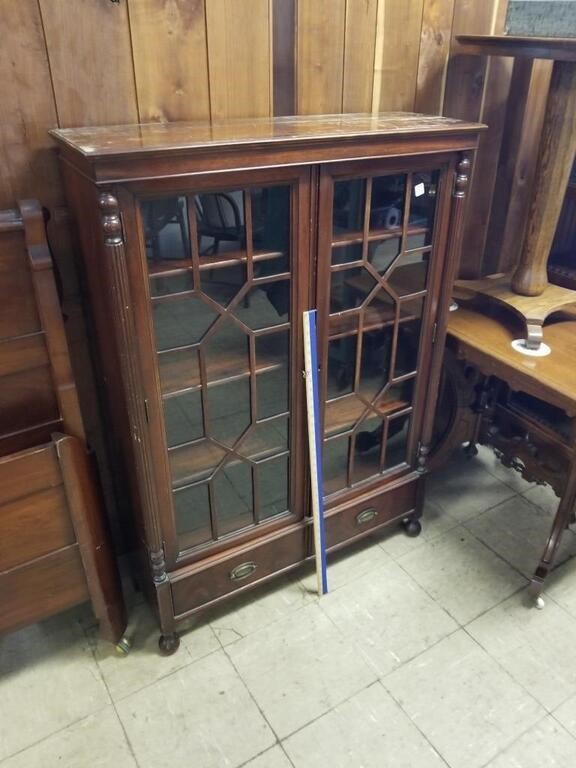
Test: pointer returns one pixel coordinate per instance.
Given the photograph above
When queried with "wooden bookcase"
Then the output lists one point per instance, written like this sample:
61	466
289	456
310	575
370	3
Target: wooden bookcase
203	245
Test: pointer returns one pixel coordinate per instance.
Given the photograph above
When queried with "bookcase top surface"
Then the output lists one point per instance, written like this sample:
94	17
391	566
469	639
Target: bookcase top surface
118	140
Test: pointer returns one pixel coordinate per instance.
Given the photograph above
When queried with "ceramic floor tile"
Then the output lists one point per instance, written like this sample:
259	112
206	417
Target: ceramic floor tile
348	564
463	575
465	704
369	730
145	664
388	617
299	668
464	488
538	648
273	758
245	614
48	680
561	586
488	461
566	714
518	531
547	745
202	713
435	521
98	741
544	497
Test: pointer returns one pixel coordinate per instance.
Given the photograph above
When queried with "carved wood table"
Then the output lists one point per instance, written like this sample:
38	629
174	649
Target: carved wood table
556	153
526	409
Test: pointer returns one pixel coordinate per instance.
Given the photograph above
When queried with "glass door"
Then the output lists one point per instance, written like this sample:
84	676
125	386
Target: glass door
376	248
223	297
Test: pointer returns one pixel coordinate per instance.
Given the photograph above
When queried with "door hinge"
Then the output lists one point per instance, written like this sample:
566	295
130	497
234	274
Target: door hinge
434	332
146	411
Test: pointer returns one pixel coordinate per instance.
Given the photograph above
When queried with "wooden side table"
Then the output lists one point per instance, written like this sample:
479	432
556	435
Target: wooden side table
527	410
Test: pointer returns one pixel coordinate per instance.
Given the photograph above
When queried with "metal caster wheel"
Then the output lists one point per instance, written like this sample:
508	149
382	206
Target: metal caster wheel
412	527
124	646
169	644
540	603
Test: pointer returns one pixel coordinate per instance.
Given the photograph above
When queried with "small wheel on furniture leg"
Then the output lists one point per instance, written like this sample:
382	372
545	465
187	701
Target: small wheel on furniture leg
169	644
412	527
540	603
124	646
470	450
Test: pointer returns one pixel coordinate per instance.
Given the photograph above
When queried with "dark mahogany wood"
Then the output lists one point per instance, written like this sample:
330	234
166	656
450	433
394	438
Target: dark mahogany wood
110	175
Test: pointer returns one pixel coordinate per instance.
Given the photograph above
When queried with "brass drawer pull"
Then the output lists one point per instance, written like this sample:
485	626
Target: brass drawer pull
242	571
366	515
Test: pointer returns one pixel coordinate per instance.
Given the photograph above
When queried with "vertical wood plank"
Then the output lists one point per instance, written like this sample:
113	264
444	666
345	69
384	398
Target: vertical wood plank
433	58
28	167
283	56
396	64
91	61
359	45
239	57
320	56
170	59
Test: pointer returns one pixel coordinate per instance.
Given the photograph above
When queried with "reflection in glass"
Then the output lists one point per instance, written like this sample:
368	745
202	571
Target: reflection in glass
183	418
348	206
271	228
178	370
272	484
179	322
167	284
397	441
220	222
223	283
387	203
233	496
266	438
407	348
341	366
423	202
397	396
229	410
375	361
349	288
367	449
226	352
410	273
265	305
418	240
192	514
335	464
382	253
166	235
272	392
345	254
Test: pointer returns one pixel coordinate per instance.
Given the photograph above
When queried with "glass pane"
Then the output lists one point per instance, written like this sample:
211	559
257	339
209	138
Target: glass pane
341	366
271	229
344	254
266	438
335	464
272	349
367	449
233	497
220	222
423	202
194	462
349	288
381	253
410	308
348	214
397	441
265	305
410	274
418	240
226	352
180	322
387	204
382	309
178	370
397	397
272	484
407	348
229	410
164	286
223	283
375	364
192	513
272	392
183	418
341	415
166	234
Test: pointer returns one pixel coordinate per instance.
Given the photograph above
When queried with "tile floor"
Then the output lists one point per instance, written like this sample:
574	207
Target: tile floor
425	654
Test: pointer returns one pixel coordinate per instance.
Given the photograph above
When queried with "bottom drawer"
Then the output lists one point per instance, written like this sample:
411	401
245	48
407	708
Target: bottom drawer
206	582
41	588
353	519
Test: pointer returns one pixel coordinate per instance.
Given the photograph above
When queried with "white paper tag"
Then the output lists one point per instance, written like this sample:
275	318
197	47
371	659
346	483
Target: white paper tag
419	189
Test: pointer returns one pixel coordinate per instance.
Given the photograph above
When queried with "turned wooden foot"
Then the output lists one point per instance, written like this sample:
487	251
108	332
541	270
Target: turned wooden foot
169	644
412	527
